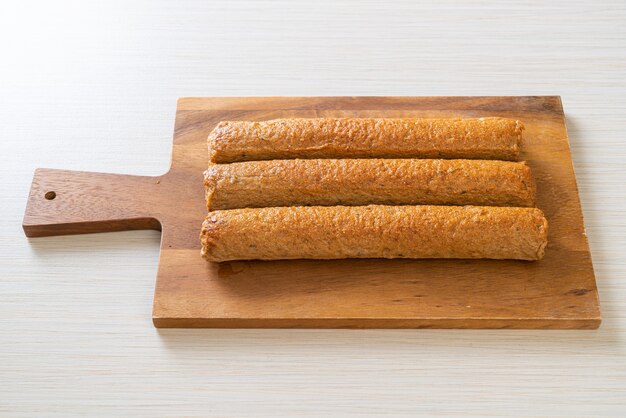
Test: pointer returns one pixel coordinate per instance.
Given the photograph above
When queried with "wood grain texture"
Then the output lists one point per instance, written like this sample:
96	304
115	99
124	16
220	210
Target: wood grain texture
92	87
557	292
64	202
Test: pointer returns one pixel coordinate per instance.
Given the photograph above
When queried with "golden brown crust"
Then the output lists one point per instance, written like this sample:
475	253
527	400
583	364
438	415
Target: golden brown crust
356	182
374	231
484	138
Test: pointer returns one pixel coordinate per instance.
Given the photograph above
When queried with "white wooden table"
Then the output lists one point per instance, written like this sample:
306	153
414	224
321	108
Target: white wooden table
93	85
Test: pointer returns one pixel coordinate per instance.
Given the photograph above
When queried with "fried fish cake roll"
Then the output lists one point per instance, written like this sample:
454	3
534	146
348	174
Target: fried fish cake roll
357	182
333	232
484	138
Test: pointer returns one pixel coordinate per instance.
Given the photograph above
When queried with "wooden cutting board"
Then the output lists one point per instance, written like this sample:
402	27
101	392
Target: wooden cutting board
557	292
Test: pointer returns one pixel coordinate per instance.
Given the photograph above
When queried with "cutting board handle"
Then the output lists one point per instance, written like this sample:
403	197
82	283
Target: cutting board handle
63	202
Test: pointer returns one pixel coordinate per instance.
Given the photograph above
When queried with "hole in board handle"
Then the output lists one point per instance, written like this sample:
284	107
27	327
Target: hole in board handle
50	195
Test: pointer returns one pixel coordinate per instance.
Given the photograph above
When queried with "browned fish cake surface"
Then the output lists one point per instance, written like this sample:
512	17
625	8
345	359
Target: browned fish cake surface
356	182
480	138
374	231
